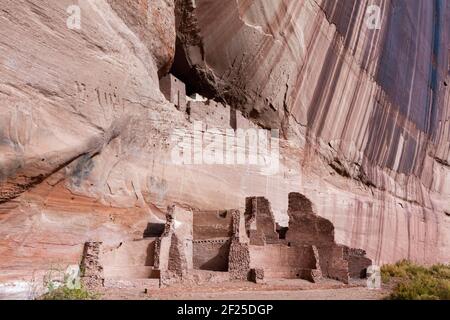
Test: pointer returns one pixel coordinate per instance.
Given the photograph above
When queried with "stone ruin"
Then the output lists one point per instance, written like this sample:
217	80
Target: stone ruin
218	246
174	90
91	268
199	108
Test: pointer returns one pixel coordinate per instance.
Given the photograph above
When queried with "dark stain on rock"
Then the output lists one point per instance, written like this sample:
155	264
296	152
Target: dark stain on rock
339	168
82	169
443	162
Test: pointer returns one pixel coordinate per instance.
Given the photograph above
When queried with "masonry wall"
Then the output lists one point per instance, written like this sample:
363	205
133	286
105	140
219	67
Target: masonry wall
358	263
334	263
174	90
93	275
212	112
260	221
212	224
281	261
129	260
305	227
181	246
211	254
217	115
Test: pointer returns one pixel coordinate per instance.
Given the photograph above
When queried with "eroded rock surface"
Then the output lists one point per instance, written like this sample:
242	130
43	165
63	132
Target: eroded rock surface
373	104
86	134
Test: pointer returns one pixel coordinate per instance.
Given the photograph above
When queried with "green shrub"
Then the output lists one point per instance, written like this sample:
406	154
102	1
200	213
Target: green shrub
61	287
64	293
415	282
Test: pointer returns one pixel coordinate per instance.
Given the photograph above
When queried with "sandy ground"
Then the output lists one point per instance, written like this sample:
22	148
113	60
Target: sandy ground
272	290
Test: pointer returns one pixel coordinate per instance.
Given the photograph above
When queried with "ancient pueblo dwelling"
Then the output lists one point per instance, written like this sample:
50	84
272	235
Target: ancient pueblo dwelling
151	146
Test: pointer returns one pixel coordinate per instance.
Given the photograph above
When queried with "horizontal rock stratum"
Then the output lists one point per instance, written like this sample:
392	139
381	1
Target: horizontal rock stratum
87	137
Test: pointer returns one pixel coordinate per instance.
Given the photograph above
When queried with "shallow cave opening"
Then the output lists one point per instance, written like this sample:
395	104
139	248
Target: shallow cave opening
195	80
154	230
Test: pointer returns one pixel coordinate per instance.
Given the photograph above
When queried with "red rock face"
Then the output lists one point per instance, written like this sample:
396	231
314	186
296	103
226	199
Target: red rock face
86	134
373	104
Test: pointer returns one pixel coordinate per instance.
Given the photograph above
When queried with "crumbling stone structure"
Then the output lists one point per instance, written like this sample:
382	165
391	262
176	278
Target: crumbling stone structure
174	249
260	221
357	262
91	268
216	246
306	228
174	90
239	259
257	275
211	254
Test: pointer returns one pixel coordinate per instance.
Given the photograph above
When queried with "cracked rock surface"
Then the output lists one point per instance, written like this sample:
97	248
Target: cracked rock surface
86	134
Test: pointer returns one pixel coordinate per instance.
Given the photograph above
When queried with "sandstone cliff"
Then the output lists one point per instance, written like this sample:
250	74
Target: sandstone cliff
86	134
